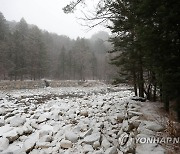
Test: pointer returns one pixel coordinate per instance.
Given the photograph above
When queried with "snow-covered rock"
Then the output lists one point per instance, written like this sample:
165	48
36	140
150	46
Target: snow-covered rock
42	118
105	143
66	144
120	117
43	145
92	138
96	144
111	150
86	133
71	136
72	120
125	126
134	113
46	138
87	148
84	113
17	121
2	111
4	143
2	122
150	149
11	135
154	126
30	142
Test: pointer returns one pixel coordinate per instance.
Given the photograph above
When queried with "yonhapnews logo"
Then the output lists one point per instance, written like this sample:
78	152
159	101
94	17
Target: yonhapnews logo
124	138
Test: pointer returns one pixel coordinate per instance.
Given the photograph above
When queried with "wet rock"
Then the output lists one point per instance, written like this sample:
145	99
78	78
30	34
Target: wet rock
66	144
17	121
71	136
92	138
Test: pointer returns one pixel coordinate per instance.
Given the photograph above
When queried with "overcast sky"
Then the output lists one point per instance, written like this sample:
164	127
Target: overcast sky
47	15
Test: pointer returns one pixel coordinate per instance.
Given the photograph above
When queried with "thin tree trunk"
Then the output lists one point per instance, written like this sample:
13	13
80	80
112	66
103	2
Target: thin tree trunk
154	92
161	94
135	84
141	82
178	108
165	98
149	90
166	103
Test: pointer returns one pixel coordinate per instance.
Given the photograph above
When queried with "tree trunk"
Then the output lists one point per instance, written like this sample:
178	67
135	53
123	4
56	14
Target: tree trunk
178	107
165	99
134	82
166	103
141	82
154	92
161	93
149	91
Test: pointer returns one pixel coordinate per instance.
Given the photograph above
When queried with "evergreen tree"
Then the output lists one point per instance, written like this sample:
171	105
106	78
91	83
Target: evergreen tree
20	38
4	62
37	52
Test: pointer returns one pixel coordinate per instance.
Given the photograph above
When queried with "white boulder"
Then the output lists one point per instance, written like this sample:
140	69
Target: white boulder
65	144
17	121
71	136
4	143
92	138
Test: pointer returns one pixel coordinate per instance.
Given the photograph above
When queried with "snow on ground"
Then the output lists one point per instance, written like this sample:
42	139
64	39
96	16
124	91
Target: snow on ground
74	120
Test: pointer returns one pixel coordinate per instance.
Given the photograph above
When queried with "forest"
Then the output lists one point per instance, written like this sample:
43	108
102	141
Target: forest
117	92
146	44
27	52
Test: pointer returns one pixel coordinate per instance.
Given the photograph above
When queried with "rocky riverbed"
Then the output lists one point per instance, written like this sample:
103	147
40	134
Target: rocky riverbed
73	120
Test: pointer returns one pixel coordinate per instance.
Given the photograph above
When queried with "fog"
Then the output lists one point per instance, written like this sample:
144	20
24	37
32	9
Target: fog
48	15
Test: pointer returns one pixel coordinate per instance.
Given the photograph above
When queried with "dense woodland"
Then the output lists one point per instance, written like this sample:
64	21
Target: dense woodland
146	44
26	52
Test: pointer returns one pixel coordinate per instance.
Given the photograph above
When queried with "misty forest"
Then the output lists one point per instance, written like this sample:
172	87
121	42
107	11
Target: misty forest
97	95
30	53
